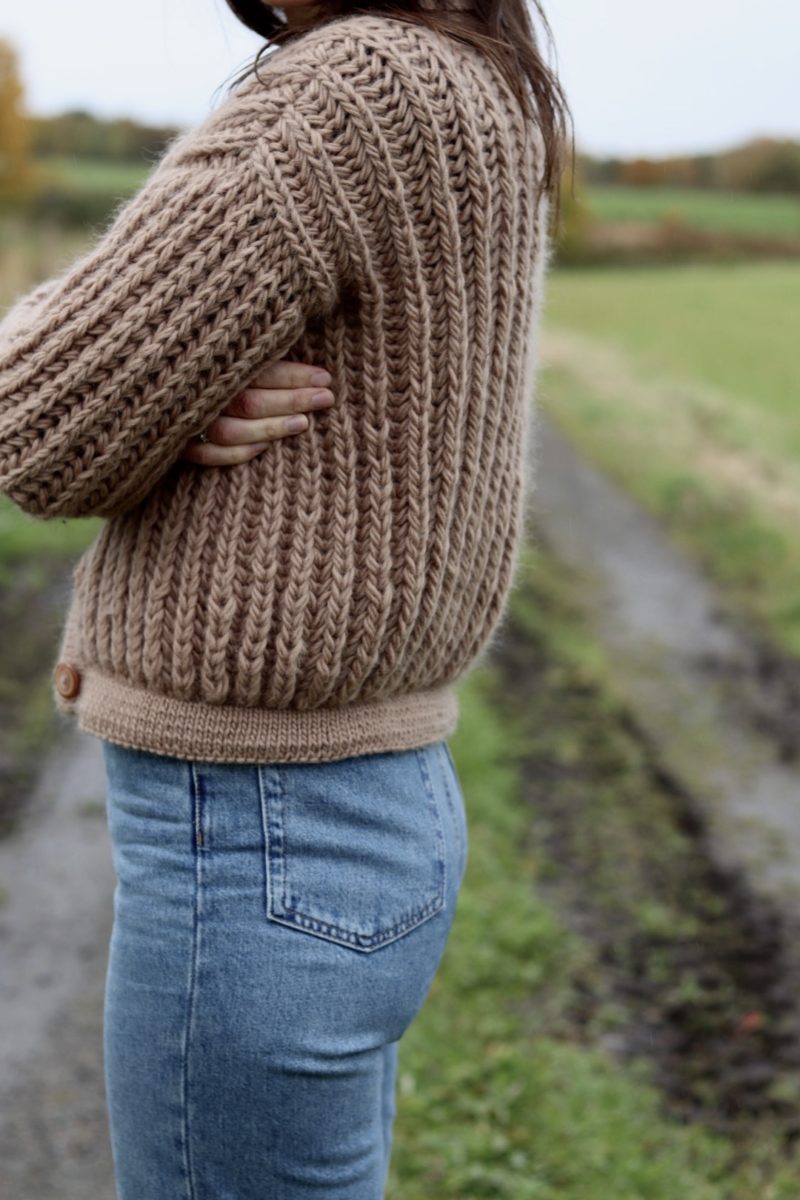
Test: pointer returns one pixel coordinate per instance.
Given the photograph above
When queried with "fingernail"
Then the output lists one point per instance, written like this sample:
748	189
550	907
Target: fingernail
320	378
296	423
321	399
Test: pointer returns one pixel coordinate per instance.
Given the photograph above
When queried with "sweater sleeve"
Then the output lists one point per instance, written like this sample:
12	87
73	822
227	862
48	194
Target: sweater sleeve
209	271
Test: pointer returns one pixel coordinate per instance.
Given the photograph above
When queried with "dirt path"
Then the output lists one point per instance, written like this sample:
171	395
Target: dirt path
690	675
55	919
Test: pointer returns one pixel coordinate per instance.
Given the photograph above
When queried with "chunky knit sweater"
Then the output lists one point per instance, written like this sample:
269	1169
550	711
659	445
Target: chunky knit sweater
370	203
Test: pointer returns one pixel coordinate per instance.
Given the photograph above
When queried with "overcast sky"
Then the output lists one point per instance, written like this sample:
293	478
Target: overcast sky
641	78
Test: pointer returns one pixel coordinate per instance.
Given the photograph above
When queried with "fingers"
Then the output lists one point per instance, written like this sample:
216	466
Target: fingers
257	402
236	431
273	406
283	373
281	387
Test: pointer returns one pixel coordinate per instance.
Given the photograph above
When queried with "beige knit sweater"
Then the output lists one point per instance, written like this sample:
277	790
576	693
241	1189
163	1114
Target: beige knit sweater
370	205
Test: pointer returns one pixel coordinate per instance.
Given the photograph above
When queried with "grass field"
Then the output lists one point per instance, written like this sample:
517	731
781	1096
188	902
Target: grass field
730	212
86	175
683	384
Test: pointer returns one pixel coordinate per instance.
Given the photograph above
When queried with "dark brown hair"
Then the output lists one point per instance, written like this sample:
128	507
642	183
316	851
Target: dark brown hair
503	29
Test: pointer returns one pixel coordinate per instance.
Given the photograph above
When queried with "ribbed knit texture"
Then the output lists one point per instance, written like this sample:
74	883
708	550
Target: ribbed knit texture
370	205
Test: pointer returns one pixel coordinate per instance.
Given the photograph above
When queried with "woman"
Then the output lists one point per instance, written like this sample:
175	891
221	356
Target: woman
266	632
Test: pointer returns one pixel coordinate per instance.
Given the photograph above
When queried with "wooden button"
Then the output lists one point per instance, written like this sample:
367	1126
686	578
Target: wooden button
68	680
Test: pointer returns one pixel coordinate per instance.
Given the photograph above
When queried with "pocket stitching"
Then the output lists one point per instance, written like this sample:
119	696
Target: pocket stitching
271	816
361	941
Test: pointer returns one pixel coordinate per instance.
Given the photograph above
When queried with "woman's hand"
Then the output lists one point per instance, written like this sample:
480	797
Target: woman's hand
272	406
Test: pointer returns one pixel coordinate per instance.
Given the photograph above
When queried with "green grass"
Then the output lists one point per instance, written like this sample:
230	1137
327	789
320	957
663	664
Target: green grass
733	326
86	175
682	383
23	537
729	212
499	1095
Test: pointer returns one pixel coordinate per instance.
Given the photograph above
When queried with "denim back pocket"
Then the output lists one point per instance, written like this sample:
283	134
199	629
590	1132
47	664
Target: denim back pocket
355	849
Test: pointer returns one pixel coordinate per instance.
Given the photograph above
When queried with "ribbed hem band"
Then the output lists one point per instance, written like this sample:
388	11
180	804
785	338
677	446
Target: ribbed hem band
146	720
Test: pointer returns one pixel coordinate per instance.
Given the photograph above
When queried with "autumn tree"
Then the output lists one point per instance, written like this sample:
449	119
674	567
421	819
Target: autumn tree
16	167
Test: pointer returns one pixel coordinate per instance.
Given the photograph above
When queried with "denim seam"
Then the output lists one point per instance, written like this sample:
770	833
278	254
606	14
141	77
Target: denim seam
198	814
273	831
458	821
188	1166
446	777
280	806
265	831
437	815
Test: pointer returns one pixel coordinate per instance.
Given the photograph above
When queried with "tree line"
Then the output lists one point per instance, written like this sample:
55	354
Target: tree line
765	165
28	142
83	135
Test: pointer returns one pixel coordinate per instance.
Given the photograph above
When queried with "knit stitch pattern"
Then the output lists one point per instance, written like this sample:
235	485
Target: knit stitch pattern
370	203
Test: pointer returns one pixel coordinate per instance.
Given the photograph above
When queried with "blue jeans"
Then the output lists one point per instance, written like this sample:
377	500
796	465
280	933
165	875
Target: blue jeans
277	928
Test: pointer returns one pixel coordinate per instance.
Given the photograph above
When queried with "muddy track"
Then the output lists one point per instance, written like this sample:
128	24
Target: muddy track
718	704
709	711
697	970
